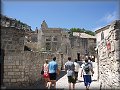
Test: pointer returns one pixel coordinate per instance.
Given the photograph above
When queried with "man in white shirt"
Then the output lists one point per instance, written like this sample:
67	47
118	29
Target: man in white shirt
77	67
69	68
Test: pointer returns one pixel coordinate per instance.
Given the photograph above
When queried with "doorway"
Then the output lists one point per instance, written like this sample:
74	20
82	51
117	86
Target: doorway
78	56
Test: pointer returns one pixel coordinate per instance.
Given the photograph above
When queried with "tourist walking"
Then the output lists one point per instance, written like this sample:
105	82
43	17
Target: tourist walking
87	72
46	73
69	68
90	60
77	67
53	70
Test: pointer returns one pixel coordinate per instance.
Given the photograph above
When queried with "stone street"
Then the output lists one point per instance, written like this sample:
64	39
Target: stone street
62	83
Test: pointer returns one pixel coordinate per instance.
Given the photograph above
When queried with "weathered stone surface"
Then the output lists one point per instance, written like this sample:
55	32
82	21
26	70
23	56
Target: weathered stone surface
11	73
6	80
8	77
6	70
109	59
9	66
16	70
13	80
25	69
17	62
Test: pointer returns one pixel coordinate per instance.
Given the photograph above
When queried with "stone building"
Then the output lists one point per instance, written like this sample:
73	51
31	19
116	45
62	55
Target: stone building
82	44
12	34
51	39
108	48
31	40
10	22
59	40
19	65
54	41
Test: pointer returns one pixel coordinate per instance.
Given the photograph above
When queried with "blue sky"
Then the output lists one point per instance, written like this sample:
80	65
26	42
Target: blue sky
88	14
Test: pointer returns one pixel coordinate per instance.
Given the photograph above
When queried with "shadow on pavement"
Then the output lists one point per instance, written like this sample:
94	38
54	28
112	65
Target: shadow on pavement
62	73
78	81
39	84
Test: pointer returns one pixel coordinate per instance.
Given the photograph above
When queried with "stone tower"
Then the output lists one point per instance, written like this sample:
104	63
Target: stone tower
44	25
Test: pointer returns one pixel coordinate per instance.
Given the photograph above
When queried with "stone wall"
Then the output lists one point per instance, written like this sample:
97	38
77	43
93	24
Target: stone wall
10	22
12	39
13	69
22	69
109	58
19	67
32	45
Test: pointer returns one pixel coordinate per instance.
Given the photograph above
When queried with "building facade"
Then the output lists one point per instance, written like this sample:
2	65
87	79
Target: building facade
108	48
58	40
52	39
82	44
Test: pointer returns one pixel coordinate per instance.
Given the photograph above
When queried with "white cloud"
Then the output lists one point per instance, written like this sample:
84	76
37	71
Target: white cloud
109	17
96	28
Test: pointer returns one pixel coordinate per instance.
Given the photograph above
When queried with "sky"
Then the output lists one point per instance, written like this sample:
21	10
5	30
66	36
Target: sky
88	14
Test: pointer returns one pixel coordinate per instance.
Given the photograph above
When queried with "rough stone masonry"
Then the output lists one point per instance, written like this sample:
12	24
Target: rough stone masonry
19	68
109	56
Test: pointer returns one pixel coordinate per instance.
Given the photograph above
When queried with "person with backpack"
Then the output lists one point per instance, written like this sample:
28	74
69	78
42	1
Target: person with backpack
87	73
90	60
69	68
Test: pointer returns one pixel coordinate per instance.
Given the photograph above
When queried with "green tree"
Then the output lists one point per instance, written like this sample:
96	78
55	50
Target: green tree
82	31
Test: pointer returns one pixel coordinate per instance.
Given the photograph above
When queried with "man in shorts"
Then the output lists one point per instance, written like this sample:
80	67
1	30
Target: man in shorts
87	73
69	68
53	69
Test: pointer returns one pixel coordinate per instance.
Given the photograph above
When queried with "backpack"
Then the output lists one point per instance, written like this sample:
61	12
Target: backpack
87	68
